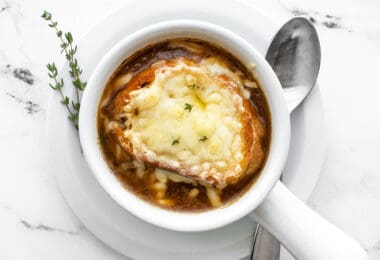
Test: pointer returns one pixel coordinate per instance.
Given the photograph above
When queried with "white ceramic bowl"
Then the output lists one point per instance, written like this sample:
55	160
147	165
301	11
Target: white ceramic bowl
155	215
282	213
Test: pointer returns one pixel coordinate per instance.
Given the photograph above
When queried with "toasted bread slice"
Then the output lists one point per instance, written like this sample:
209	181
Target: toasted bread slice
189	118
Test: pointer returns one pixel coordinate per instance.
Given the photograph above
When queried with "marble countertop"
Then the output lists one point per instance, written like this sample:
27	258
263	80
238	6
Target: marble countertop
35	221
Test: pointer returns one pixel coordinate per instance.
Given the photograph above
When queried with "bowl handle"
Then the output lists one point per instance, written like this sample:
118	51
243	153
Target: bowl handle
304	233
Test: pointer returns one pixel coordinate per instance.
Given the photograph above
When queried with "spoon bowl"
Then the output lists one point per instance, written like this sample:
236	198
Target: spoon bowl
295	56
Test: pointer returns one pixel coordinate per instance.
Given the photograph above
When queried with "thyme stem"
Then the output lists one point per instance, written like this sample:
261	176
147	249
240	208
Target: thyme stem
69	49
68	57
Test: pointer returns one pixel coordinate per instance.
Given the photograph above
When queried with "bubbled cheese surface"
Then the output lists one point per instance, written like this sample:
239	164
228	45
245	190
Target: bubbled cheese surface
187	117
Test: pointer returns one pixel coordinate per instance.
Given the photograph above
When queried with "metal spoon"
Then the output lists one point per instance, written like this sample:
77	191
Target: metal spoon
295	57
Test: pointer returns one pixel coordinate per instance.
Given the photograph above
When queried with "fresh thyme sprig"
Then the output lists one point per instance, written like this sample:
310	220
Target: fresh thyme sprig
57	86
69	49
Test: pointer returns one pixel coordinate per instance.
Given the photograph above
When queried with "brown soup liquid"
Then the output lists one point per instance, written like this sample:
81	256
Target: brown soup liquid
141	179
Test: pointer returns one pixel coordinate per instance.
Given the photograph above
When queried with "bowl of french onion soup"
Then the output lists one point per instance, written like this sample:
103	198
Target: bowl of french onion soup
180	125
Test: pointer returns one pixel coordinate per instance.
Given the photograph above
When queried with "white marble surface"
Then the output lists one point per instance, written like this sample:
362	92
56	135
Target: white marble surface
35	221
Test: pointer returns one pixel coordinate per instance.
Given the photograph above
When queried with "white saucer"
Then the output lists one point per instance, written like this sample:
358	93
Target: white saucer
99	213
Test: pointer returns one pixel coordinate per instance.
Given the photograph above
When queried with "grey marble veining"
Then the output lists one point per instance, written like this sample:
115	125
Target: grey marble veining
42	227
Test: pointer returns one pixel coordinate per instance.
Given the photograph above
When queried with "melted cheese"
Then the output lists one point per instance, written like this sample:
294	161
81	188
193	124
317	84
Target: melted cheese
188	118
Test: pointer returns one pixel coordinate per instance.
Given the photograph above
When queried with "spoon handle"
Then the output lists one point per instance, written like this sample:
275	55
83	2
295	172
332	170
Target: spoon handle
265	246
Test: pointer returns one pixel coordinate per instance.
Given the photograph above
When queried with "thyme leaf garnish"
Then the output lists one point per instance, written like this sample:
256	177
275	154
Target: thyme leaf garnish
204	138
175	141
188	107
